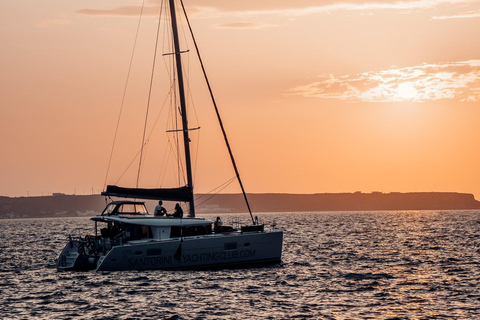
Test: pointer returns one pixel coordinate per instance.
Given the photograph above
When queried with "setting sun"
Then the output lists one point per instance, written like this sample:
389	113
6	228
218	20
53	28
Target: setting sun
406	91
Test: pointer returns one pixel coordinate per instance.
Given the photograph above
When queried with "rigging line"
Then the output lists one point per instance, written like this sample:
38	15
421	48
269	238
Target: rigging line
192	101
146	143
174	111
173	139
186	73
145	147
174	143
168	47
213	195
163	168
152	131
149	95
174	150
192	107
191	104
197	153
221	187
124	94
128	167
218	114
176	135
157	119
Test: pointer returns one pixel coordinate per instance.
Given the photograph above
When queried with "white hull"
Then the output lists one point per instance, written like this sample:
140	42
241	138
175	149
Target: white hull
197	252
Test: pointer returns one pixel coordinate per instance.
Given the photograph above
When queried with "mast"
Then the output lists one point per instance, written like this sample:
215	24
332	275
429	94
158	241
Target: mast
183	108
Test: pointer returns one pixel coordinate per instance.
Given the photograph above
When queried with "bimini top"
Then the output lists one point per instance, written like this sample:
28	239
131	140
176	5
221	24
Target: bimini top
155	221
183	194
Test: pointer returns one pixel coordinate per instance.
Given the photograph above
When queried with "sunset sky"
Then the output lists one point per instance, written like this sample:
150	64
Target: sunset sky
318	96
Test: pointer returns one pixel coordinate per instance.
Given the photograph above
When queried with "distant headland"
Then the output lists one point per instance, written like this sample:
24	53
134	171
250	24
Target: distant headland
61	205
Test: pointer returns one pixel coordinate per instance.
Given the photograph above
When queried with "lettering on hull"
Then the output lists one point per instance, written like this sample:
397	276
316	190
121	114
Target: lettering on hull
191	259
217	256
149	262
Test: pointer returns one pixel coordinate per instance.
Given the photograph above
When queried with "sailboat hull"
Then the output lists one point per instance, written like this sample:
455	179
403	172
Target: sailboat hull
200	252
196	252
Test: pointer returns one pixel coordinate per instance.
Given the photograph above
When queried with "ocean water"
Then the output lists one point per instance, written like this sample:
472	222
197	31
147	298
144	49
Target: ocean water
336	265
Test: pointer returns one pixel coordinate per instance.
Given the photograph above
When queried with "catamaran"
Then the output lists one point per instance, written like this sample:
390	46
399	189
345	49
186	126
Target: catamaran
126	237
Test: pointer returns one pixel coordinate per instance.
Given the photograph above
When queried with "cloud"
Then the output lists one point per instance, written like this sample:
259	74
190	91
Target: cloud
247	25
369	6
302	8
466	15
125	11
308	6
221	8
456	80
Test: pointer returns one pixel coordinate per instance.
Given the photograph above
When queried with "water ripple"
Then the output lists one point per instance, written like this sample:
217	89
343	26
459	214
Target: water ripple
336	265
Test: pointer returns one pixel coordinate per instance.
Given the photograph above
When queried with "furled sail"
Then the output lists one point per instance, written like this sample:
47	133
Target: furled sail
183	194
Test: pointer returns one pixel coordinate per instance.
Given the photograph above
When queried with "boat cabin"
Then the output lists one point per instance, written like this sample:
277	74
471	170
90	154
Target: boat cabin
127	221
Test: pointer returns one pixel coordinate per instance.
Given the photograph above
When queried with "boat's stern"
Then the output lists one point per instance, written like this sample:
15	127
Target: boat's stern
74	258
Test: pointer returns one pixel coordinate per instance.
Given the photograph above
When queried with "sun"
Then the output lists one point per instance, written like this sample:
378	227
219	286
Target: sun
406	91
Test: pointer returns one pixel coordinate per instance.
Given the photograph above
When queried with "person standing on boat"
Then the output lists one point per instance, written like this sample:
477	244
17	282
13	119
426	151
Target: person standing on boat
178	213
159	210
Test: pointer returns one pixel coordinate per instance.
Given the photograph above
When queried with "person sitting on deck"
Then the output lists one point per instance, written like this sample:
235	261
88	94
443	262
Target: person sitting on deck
178	213
217	226
159	210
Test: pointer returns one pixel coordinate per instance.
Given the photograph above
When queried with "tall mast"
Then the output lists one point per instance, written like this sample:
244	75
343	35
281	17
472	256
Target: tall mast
183	108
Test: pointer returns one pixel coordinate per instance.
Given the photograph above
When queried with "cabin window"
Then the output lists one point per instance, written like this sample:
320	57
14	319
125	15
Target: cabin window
230	246
109	209
132	208
190	231
135	232
197	231
175	232
112	231
154	252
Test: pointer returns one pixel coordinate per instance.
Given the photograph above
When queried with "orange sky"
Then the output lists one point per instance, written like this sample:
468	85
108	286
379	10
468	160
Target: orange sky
317	96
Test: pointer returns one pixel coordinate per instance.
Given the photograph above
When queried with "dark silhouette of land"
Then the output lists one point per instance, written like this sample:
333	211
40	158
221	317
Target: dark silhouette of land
74	205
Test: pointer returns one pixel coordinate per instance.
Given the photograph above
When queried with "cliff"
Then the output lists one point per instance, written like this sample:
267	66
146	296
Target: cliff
51	206
70	205
366	201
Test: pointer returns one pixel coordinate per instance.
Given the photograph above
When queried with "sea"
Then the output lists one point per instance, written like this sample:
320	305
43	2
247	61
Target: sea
335	265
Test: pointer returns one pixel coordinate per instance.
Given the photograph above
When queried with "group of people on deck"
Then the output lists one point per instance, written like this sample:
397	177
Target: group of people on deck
161	211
